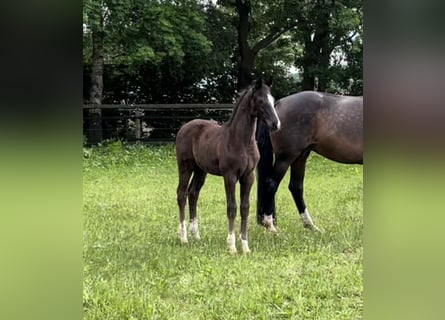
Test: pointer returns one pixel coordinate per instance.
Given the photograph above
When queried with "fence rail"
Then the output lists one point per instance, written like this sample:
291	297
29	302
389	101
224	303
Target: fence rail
145	123
187	106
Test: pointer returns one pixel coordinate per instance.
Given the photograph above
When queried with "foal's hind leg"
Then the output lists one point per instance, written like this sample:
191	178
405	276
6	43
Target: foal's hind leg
296	187
246	183
198	180
185	171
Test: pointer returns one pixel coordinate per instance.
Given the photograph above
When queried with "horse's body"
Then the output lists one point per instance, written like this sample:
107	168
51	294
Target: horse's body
330	125
230	150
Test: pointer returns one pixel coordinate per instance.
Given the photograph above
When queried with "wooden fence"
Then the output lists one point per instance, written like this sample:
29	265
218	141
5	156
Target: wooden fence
145	123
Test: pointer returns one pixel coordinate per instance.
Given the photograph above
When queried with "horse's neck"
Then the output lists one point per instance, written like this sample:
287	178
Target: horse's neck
243	125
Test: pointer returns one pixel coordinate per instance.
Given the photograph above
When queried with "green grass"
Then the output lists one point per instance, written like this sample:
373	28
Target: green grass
136	268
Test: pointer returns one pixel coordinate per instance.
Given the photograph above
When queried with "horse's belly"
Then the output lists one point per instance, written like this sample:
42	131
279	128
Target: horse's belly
211	169
352	154
208	163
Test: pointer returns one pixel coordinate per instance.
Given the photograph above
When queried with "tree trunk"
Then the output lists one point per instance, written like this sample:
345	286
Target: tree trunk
317	52
325	50
247	53
309	65
308	82
247	57
96	87
245	71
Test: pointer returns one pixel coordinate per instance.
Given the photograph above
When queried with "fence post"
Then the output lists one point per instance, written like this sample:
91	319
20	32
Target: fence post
138	123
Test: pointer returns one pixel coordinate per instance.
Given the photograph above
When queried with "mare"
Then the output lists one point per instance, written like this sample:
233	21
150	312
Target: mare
330	125
230	151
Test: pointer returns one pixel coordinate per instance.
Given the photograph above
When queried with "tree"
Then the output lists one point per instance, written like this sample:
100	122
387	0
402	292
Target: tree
94	15
144	39
347	64
194	50
260	23
323	27
219	82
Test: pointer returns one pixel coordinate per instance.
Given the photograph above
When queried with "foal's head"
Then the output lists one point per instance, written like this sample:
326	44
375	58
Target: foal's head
263	102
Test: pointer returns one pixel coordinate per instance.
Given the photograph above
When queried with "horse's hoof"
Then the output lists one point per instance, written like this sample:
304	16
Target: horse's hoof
312	227
196	235
184	241
268	223
245	246
232	250
272	229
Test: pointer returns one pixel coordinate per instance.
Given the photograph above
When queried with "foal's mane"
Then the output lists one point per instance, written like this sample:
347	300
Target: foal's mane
240	98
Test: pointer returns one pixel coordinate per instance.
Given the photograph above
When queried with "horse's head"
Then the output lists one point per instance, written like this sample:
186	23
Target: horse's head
264	104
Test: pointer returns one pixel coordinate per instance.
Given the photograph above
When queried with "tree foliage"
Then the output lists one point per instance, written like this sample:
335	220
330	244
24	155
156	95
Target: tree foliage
192	50
328	30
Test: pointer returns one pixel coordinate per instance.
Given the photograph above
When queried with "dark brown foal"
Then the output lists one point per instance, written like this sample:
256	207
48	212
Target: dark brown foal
230	151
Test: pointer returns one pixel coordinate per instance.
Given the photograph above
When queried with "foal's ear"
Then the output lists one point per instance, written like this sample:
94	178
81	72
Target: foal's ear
268	81
259	83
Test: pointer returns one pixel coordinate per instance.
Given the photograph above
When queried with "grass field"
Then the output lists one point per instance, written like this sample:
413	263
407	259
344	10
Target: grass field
136	268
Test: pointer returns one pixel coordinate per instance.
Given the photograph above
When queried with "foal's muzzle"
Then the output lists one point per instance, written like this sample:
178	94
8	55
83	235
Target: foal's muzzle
274	125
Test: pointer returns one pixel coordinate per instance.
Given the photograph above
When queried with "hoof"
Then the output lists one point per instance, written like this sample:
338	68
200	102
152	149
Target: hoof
312	227
268	223
231	243
272	229
245	246
232	250
182	232
307	221
193	228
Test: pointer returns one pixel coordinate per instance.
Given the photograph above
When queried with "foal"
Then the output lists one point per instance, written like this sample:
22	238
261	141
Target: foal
230	150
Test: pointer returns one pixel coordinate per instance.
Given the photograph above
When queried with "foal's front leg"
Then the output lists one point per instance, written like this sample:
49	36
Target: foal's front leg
246	183
229	185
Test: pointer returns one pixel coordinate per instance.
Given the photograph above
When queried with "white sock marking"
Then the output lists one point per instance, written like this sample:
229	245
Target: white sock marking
245	246
231	241
194	228
183	232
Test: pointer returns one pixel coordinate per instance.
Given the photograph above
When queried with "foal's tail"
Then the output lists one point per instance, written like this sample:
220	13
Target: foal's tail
264	166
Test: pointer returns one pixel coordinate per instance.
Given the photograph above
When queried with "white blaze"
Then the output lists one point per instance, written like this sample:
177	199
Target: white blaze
272	105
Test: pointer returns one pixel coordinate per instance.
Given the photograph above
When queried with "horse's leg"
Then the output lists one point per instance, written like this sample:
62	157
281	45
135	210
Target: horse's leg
229	185
185	171
246	183
296	187
264	167
279	170
198	180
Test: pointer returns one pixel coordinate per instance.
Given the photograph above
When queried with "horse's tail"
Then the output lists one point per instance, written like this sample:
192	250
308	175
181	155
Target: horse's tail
264	166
